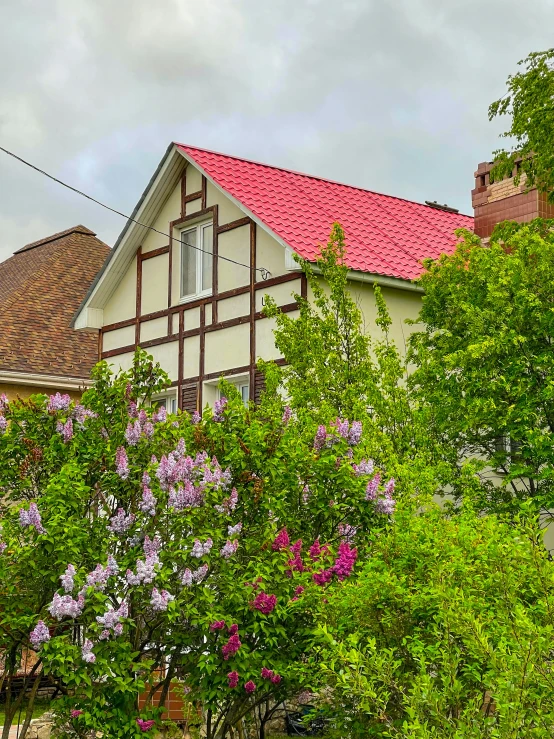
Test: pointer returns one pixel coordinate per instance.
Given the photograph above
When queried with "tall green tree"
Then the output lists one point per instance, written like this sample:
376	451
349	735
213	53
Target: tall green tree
529	104
485	360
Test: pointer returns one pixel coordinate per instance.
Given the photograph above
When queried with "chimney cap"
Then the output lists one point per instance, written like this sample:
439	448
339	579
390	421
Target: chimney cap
438	206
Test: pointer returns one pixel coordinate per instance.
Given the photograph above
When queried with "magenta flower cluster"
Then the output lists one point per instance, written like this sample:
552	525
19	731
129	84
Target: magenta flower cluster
39	635
31	518
233	643
271	675
233	679
145	725
282	541
250	686
342	568
264	602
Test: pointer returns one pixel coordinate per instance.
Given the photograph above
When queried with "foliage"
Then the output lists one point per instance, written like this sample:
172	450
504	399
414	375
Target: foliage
447	632
194	549
485	363
529	103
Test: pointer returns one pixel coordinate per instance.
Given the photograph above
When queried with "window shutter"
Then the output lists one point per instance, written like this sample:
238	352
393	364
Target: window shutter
259	385
189	397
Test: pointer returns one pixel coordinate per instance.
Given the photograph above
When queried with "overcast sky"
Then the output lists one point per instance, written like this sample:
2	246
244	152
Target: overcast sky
388	95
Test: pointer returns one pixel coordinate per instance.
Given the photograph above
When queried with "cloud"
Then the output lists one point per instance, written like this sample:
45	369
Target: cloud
391	96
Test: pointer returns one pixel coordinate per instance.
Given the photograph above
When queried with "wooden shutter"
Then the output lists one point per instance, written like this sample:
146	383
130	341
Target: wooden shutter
259	385
189	397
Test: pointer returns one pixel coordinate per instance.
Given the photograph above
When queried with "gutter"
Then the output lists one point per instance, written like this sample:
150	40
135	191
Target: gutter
382	280
39	380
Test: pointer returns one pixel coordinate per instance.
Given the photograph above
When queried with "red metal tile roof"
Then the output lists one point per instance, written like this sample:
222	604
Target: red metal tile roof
385	235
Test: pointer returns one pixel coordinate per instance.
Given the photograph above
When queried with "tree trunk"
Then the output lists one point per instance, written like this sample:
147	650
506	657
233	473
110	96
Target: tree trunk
30	706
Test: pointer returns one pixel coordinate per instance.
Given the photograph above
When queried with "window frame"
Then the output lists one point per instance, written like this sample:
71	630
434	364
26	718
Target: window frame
199	251
170	398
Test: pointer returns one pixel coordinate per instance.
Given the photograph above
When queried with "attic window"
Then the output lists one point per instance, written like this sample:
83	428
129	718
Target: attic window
196	261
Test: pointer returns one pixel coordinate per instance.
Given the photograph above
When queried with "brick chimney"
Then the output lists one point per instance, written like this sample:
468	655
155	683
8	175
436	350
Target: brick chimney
503	201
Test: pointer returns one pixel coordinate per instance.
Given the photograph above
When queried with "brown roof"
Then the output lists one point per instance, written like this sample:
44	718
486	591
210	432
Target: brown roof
41	287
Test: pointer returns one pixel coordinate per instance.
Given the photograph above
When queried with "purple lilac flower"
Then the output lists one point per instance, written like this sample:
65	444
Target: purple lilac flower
145	725
31	518
219	407
389	487
233	530
347	531
264	603
320	438
112	567
121	522
152	546
3	402
3	547
122	463
80	414
58	402
385	505
3	425
39	635
87	652
64	605
132	410
231	647
148	430
233	629
142	417
287	415
186	578
112	618
342	427
160	415
233	679
372	487
146	570
67	431
355	433
67	579
98	578
200	573
133	433
160	599
195	418
281	541
365	467
229	548
250	686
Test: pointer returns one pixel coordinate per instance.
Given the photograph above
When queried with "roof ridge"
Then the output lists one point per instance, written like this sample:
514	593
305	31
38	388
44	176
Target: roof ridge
311	176
54	237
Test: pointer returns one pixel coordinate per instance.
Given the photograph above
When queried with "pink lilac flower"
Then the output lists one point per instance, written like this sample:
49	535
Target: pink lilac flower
3	425
345	560
118	629
231	647
98	578
282	541
200	573
219	407
152	546
160	599
104	634
233	679
87	652
66	430
76	712
145	725
80	414
64	605
365	467
121	463
372	487
264	603
385	505
133	433
128	391
186	578
287	415
39	635
148	429
229	504
195	418
58	402
31	518
160	415
67	579
217	625
389	487
132	410
250	686
146	570
112	618
199	549
320	438
112	567
121	522
233	530
142	417
229	549
148	501
276	679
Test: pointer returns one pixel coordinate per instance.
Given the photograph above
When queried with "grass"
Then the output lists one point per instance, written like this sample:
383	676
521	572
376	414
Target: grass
40	707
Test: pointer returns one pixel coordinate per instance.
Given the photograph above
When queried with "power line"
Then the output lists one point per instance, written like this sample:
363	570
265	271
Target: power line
264	272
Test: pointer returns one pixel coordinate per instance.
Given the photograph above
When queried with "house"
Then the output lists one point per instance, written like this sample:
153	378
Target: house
212	234
41	286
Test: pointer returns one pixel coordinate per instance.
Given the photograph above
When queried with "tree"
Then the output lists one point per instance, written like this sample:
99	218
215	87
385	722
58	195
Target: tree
446	632
176	548
529	102
485	363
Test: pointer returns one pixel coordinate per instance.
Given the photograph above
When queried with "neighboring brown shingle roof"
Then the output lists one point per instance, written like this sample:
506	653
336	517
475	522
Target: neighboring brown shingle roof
41	287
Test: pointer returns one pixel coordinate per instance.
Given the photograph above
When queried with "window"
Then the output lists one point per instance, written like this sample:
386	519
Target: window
243	387
196	260
169	402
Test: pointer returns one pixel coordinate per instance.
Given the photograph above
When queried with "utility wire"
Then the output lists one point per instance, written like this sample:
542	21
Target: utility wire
264	272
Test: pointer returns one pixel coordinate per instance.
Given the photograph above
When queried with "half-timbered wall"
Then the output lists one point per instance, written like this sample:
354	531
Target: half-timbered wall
223	333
